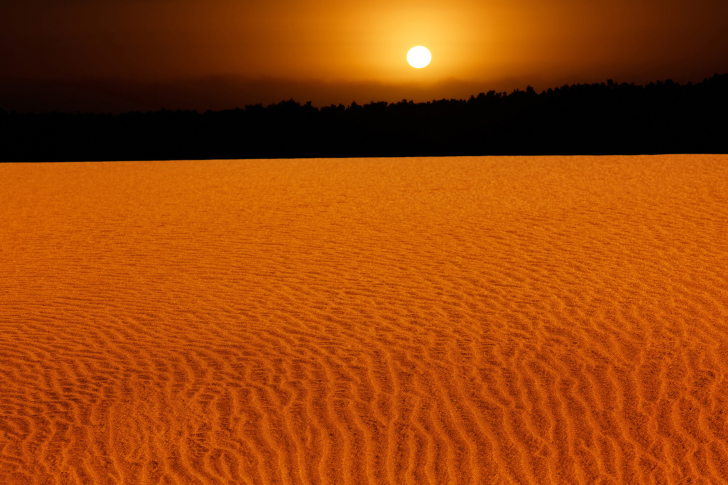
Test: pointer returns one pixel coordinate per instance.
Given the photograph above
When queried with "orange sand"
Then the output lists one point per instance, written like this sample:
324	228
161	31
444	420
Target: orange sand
525	320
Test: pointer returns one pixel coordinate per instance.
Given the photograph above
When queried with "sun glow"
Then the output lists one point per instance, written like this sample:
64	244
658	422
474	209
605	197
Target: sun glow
419	57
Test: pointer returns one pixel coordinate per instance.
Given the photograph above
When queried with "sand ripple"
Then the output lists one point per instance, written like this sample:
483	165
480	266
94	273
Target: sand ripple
379	321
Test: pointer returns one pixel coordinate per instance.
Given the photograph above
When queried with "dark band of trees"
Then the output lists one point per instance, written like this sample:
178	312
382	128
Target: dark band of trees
605	118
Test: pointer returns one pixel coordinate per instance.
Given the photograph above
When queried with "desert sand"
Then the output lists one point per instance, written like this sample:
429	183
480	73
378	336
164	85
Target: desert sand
515	320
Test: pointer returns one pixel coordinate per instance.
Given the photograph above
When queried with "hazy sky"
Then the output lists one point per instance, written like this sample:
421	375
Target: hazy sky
132	54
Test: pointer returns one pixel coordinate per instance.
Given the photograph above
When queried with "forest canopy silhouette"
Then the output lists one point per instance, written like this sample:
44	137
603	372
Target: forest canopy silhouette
580	119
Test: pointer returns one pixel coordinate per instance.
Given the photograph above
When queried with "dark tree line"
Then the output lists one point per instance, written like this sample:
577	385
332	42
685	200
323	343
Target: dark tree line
605	118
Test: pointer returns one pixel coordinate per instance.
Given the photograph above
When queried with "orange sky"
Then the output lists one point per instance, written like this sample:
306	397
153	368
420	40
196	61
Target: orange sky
334	51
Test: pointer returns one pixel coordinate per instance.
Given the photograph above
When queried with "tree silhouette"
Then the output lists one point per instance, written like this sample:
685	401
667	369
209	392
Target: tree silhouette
600	118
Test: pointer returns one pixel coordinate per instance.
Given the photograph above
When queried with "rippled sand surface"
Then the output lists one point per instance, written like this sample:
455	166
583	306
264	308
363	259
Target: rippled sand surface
532	320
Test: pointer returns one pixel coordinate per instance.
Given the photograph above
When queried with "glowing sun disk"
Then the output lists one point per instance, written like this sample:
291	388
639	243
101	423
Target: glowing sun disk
419	57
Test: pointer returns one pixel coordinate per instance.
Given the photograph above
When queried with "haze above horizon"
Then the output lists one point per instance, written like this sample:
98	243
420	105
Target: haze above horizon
220	54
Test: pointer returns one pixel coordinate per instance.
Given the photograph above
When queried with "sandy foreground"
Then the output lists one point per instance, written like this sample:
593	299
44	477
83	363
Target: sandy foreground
524	320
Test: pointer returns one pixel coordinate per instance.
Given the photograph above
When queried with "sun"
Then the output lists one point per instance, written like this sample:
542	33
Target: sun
419	57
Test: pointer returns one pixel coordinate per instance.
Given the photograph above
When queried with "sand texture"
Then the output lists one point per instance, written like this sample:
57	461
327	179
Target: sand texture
525	320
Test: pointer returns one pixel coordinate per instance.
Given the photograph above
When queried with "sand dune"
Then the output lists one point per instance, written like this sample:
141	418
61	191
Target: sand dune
555	320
